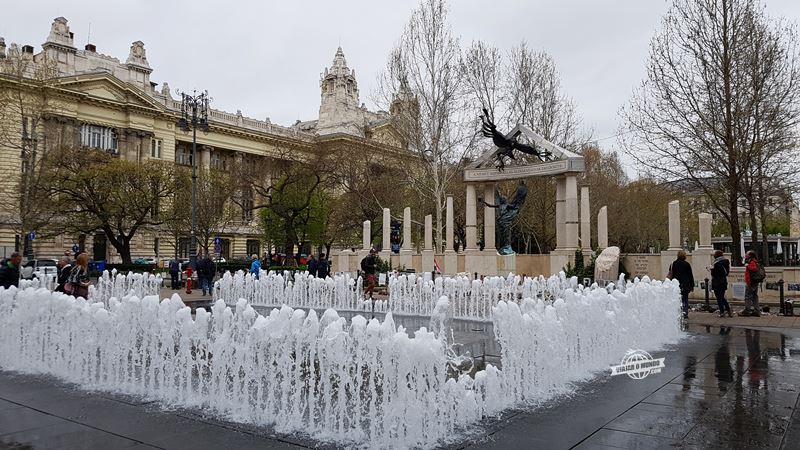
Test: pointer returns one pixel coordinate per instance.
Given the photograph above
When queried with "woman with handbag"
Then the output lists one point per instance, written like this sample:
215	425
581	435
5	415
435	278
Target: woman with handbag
78	281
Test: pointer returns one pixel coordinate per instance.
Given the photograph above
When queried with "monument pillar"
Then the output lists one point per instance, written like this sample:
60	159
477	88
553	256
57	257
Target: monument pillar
671	253
427	251
705	231
674	225
387	231
602	228
367	236
561	188
450	258
406	250
571	213
471	219
489	218
586	224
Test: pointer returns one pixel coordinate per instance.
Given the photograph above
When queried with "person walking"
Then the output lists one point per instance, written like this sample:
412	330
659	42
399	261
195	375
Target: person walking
64	268
255	267
174	270
78	281
323	267
681	270
206	274
9	271
753	276
312	266
720	269
368	265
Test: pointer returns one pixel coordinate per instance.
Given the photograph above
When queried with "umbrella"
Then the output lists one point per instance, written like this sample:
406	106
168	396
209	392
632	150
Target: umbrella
779	250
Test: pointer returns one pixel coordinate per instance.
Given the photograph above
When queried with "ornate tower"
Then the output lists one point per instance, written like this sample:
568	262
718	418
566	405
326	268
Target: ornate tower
339	110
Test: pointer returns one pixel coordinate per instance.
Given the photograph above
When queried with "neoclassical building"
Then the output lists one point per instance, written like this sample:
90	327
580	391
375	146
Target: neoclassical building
99	101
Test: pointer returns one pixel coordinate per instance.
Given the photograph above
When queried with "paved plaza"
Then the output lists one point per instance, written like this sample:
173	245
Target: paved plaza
721	388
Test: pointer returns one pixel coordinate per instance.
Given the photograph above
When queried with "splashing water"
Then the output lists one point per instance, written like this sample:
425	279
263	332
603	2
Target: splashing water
366	383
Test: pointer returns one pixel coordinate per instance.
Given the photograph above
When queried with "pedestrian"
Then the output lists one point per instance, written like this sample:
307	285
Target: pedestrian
312	266
64	268
174	270
255	267
9	271
368	265
720	269
681	270
78	281
209	269
323	266
753	276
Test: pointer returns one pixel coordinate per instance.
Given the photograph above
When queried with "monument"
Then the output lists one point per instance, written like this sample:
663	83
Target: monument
507	211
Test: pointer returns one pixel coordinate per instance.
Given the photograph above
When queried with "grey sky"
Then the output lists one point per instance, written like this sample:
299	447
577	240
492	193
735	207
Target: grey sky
264	57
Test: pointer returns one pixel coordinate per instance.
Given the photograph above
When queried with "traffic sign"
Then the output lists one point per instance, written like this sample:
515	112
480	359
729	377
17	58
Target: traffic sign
217	248
217	241
31	235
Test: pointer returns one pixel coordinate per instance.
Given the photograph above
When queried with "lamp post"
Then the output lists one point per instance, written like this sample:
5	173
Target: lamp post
194	115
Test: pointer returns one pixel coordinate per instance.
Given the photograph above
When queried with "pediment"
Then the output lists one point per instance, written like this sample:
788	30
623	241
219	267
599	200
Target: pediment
559	162
109	89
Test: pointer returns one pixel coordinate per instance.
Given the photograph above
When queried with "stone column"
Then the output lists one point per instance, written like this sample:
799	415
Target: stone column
674	225
586	224
367	237
406	230
429	232
561	188
489	218
449	236
602	228
471	219
571	213
387	231
450	257
427	252
406	250
705	231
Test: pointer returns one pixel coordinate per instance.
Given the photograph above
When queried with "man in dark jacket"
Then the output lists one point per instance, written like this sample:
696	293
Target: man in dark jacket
323	267
368	266
9	271
312	266
174	269
64	269
720	269
682	271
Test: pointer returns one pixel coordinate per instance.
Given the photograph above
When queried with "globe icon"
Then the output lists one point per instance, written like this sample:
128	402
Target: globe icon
636	357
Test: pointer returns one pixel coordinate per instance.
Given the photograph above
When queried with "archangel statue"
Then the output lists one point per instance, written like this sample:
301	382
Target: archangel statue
507	146
506	212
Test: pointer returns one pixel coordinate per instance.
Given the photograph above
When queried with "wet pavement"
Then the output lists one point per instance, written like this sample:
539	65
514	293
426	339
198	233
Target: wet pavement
720	388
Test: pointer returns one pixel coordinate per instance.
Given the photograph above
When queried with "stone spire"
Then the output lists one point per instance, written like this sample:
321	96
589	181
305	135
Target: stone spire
339	106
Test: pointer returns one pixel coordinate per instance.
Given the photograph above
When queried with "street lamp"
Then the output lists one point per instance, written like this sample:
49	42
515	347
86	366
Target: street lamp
194	115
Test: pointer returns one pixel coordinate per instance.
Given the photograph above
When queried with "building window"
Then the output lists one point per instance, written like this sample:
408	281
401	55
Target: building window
103	138
253	247
218	161
183	156
155	148
247	205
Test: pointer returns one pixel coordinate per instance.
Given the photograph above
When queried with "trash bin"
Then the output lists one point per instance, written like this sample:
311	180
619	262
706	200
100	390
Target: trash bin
100	265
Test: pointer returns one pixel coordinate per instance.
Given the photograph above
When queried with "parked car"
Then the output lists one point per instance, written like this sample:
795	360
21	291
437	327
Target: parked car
44	266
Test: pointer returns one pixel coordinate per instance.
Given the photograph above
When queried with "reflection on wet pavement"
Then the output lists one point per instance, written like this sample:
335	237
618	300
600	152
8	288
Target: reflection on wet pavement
721	388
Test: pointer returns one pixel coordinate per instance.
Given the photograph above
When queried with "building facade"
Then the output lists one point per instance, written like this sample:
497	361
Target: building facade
98	101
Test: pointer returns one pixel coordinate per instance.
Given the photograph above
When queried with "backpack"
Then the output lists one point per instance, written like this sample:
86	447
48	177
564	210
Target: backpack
364	264
759	275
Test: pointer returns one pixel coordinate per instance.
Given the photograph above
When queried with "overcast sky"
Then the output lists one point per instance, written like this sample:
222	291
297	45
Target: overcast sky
265	57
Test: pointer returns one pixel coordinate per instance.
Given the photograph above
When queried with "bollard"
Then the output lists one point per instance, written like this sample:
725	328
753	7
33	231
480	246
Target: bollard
780	293
708	306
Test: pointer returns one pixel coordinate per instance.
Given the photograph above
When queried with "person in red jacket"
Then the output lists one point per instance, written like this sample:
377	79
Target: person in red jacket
751	286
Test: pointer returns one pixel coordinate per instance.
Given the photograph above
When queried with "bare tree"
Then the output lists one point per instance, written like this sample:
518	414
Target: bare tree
710	105
25	88
423	85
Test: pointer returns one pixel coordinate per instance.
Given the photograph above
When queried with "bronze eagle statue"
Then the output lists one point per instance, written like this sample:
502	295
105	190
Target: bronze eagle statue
507	146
